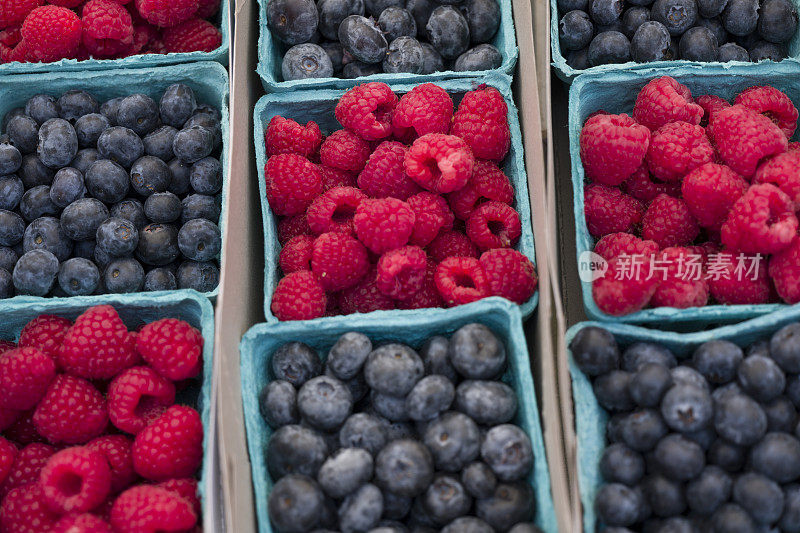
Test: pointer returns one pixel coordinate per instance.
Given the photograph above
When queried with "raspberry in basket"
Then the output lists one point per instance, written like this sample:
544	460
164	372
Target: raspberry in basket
25	375
167	13
734	284
338	260
677	148
612	148
136	397
334	210
440	163
367	110
171	447
642	186
668	222
172	347
50	33
426	108
452	243
428	295
761	221
345	150
461	280
743	138
13	12
385	175
773	104
295	255
23	511
292	226
8	453
72	411
364	297
664	100
285	136
107	28
117	451
710	191
614	244
625	287
609	210
79	467
151	508
28	463
45	333
334	177
510	274
784	268
482	121
81	523
488	182
292	183
431	216
194	35
384	224
678	285
401	272
783	171
710	104
494	225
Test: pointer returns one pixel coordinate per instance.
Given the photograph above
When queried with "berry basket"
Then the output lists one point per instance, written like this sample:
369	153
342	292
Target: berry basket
500	315
319	105
616	92
208	80
270	58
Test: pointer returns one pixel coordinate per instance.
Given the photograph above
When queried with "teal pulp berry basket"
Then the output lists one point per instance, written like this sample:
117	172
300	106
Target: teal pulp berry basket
616	92
208	80
319	105
501	316
591	418
271	50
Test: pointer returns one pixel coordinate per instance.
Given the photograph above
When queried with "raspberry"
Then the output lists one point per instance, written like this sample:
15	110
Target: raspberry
150	509
13	12
710	191
678	286
170	447
784	268
494	225
167	13
299	296
107	28
98	345
676	149
510	274
612	147
338	260
773	104
138	396
384	174
401	272
608	210
72	411
428	296
292	183
8	452
50	33
431	216
285	136
384	224
296	254
333	177
82	523
630	293
761	221
731	285
710	104
488	182
7	418
172	347
451	244
292	226
344	150
23	430
75	480
25	375
668	222
194	35
45	333
27	465
783	171
461	280
186	488
439	163
614	244
427	108
208	8
367	110
664	100
482	121
743	138
334	210
117	452
142	34
24	511
364	296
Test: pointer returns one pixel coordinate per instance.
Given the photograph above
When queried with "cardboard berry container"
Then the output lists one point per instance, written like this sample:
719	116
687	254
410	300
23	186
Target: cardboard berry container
208	80
271	51
319	106
500	315
616	93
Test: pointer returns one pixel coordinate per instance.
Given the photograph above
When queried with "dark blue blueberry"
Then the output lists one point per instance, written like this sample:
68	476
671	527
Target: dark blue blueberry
357	69
278	403
421	10
790	520
67	187
193	144
575	30
124	275
448	31
761	378
731	517
16	112
292	21
764	50
84	159
454	440
78	277
150	175
205	176
58	143
35	273
605	12
81	218
404	467
431	59
676	15
179	177
347	356
431	396
209	122
740	17
478	480
177	105
390	407
641	430
109	109
12	228
632	19
139	113
8	258
649	384
159	143
160	279
361	510
345	471
777	22
107	181
200	240
11	191
740	420
595	351
24	133
679	458
158	245
436	359
397	22
686	375
476	352
304	61
620	464
33	172
202	277
120	145
781	414
699	44
464	524
508	451
716	27
6	284
711	8
784	348
363	430
295	503
335	52
482	57
46	234
664	496
761	497
446	499
75	104
132	210
363	39
118	237
510	504
708	491
777	456
89	127
732	52
487	402
333	12
324	403
296	363
687	408
393	369
609	47
163	208
404	55
611	391
727	456
42	107
483	18
717	361
200	206
569	5
36	203
10	159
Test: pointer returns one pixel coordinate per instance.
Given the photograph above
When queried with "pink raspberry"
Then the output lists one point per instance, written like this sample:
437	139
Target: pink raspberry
292	183
431	216
488	183
783	171
644	187
107	28
24	511
194	35
773	104
72	411
428	296
116	449
761	221
614	244
27	465
45	333
15	11
167	13
367	110
25	375
679	286
612	147
384	224
50	33
172	347
710	104
81	523
401	272
292	226
385	175
608	210
334	210
439	163
170	447
299	296
482	121
285	136
137	396
338	260
731	285
295	256
333	177
494	225
676	149
148	508
344	150
8	453
427	108
510	274
451	244
668	222
664	100
461	280
75	480
364	297
784	269
186	488
710	191
623	290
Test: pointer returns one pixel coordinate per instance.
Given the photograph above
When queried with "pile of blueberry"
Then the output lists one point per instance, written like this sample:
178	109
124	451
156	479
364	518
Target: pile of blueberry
118	198
598	32
389	440
352	38
710	444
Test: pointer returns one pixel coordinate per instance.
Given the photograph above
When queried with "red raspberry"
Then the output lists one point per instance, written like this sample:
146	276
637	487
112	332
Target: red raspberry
150	509
631	292
773	104
13	12
710	191
143	34
27	465
194	35
428	296
710	104
510	274
783	171
208	8
664	100
138	396
170	447
9	39
45	333
668	222
401	272
679	286
338	260
487	183
333	177
367	110
431	216
614	244
75	480
292	183
285	136
344	150
676	149
82	523
117	452
732	284
98	345
364	296
186	488
608	210
299	296
107	28
72	411
50	33
439	163
8	452
384	224
482	121
784	268
612	148
494	225
384	174
451	244
334	210
7	417
24	511
23	430
172	347
296	254
427	108
25	375
461	280
167	13
761	221
292	226
743	138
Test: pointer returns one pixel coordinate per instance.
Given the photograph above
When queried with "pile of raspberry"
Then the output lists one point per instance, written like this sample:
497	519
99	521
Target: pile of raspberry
694	179
91	439
407	207
39	31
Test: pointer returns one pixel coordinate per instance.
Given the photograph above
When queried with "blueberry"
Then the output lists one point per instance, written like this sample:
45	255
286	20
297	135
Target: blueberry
123	276
76	103
58	143
199	206
81	218
711	8
160	279
727	456
158	244
486	402
679	458
46	234
109	109
448	31
740	17
42	107
709	490
777	21
664	496
202	277
404	55
117	236
781	415
24	133
430	397
419	518
699	44
595	351
292	21
740	420
163	208
435	358
324	402
363	430
609	47
718	360
393	369
467	524
525	527
199	240
620	464
35	273
176	106
36	203
363	39
453	439
335	53
649	384
476	353
304	61
759	496
478	480
179	180
641	430
333	12
67	187
345	471
731	517
120	145
614	427
793	389
446	499
101	258
716	28
632	19
84	159
211	112
295	449
193	144
421	9
206	176
508	452
296	363
431	59
107	181
397	22
158	143
784	348
790	520
8	258
357	69
10	159
761	378
777	456
569	5
132	210
150	175
510	504
78	277
209	122
404	467
687	408
605	12
11	191
361	510
390	407
483	18
295	503
12	228
88	129
139	113
676	15
686	375
482	57
611	391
